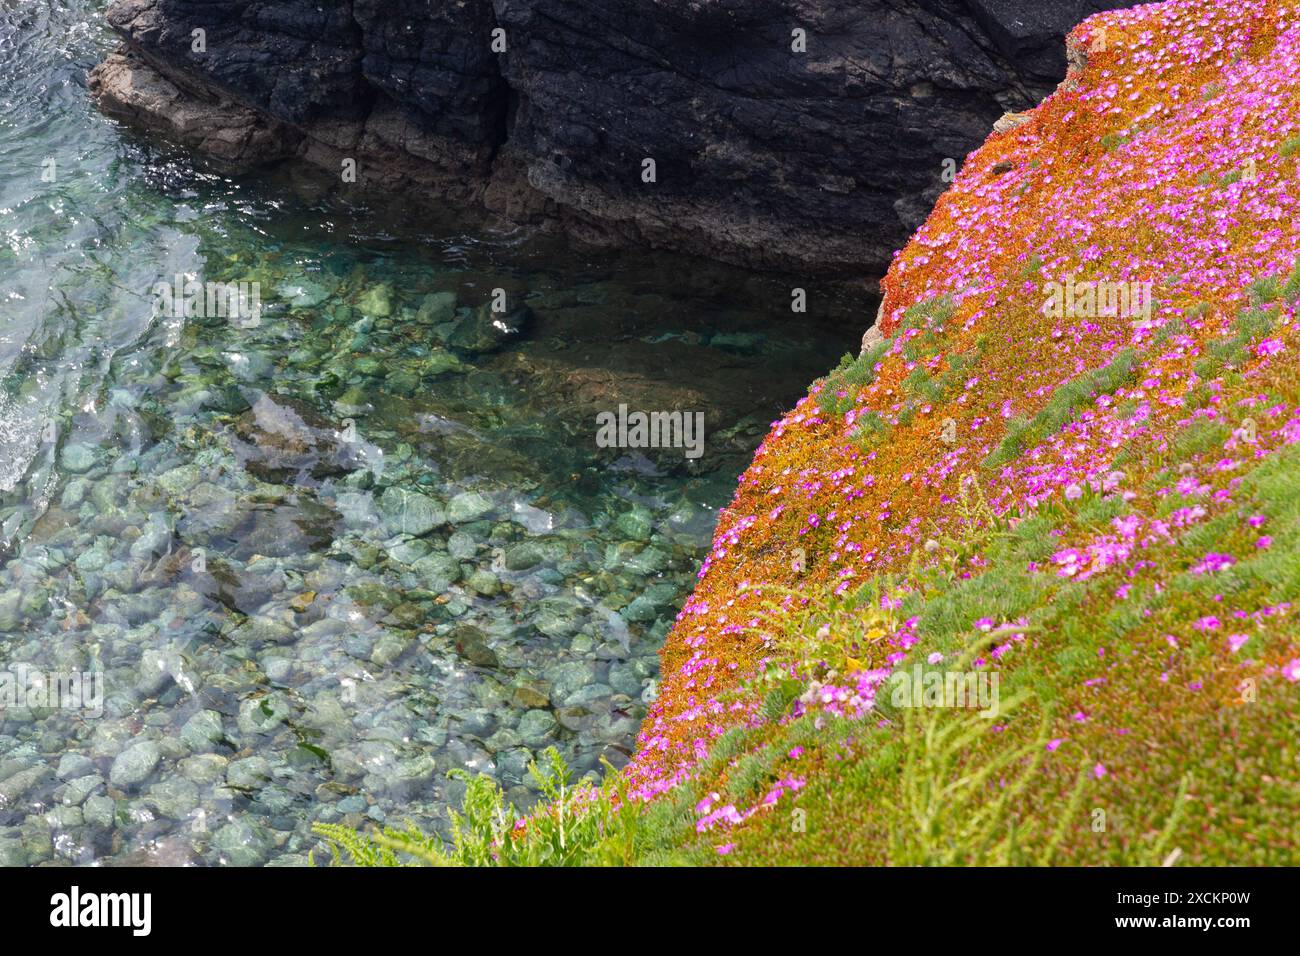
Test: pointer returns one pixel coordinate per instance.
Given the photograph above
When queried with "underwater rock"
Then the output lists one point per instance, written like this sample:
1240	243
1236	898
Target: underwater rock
281	438
436	308
471	644
376	301
134	765
468	506
484	331
410	512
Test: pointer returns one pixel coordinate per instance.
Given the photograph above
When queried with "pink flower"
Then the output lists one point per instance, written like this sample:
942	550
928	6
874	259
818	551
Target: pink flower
1099	771
1264	541
1291	671
1269	347
1235	641
1214	561
725	849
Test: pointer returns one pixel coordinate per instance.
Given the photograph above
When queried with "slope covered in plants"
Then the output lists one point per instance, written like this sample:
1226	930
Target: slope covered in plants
1073	458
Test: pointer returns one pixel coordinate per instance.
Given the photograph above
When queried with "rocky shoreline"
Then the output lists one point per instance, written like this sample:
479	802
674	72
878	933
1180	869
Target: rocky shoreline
791	135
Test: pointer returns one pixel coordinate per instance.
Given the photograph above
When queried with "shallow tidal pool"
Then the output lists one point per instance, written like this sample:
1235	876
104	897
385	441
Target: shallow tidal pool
305	565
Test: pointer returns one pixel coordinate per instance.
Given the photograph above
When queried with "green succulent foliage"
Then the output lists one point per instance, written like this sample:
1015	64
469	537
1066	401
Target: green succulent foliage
1061	407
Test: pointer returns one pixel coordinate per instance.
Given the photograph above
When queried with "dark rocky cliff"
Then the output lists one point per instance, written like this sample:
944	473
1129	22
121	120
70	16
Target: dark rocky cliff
823	160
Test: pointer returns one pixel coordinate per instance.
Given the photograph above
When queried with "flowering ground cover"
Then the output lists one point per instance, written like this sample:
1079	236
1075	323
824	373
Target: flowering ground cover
1106	507
1073	463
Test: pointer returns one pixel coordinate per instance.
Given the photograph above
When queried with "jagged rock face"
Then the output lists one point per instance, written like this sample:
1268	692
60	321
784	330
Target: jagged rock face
822	158
436	60
298	60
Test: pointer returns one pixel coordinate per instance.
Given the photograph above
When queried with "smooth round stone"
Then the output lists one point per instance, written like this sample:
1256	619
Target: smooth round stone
530	695
468	506
389	648
415	771
10	615
98	811
439	362
648	562
503	739
14	787
278	669
475	723
436	308
74	765
408	552
355	401
303	293
568	677
462	546
240	843
635	525
536	727
524	555
376	301
590	697
484	583
640	611
79	788
407	616
134	765
472	645
264	630
94	559
262	715
249	773
437	572
610	728
77	457
174	798
409	512
156	669
359	646
111	737
74	493
513	763
624	679
557	617
353	804
204	768
202	731
153	540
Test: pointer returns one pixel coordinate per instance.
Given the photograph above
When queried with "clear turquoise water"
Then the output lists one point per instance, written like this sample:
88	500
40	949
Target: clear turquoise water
186	513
